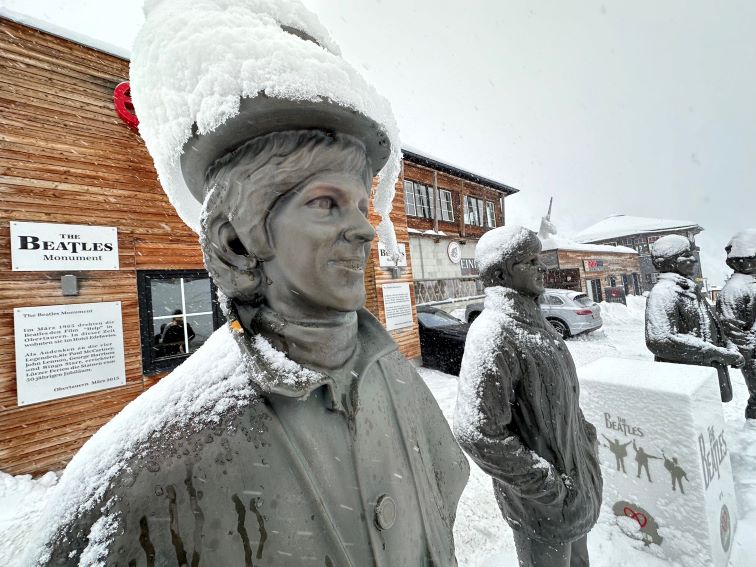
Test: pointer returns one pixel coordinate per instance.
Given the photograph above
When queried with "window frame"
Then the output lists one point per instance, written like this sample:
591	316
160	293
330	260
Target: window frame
150	365
474	207
447	205
490	214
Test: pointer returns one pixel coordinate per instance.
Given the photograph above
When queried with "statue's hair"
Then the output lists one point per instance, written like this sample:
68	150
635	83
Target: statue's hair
248	182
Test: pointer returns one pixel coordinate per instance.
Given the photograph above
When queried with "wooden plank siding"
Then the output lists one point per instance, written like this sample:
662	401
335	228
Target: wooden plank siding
65	157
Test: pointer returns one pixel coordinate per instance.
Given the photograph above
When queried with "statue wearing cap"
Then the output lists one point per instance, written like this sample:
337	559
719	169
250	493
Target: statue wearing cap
298	434
681	326
736	306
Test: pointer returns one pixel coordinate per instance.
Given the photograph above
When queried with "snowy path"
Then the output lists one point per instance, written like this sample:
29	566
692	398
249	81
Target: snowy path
482	537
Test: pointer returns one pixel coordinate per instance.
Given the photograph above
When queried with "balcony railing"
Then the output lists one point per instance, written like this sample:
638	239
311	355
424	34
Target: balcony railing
446	290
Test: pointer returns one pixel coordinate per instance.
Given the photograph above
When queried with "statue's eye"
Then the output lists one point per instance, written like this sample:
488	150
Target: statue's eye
325	203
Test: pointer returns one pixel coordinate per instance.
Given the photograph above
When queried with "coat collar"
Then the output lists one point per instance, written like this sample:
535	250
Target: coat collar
680	281
520	308
277	375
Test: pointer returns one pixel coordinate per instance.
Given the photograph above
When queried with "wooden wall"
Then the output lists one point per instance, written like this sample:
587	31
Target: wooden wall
65	157
459	188
617	263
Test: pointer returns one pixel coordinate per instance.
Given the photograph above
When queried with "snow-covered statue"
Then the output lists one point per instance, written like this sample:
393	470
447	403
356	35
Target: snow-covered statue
681	326
518	415
736	305
298	434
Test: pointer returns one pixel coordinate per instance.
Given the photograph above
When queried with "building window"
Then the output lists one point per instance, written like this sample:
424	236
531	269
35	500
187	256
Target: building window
490	216
447	210
473	211
178	311
418	199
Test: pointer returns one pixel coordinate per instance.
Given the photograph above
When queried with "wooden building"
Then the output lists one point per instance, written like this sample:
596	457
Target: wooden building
600	271
448	209
639	233
67	158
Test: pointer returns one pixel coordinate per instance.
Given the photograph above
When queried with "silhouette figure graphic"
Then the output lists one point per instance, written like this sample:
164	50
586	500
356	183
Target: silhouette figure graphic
641	457
619	450
676	472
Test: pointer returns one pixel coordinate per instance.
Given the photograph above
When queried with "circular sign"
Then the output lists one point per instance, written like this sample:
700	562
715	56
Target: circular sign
454	251
725	528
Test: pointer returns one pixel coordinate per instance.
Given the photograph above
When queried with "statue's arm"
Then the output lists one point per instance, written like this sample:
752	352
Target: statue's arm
482	426
664	339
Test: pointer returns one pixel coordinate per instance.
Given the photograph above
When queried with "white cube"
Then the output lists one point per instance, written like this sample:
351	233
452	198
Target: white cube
664	456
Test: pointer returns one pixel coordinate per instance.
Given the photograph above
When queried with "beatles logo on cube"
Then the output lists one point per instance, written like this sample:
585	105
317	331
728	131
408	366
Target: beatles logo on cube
664	457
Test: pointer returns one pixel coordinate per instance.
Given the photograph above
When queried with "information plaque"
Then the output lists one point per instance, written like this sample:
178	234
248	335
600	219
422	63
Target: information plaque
66	350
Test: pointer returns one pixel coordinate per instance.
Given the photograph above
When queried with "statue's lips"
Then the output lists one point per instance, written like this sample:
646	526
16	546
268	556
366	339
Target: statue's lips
356	265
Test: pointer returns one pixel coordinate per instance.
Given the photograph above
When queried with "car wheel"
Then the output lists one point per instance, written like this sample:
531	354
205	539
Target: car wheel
560	327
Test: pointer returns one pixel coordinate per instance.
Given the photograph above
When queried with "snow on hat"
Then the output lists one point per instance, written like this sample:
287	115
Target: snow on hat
670	246
208	75
502	242
742	245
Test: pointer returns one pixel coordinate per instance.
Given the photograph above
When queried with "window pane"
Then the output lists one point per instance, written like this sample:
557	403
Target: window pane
409	198
166	296
199	330
197	296
479	203
169	339
490	219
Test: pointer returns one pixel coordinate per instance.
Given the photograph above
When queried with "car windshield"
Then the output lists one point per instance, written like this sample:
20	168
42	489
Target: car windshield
583	300
437	319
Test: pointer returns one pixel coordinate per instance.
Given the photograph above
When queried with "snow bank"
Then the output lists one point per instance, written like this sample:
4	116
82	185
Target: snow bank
193	60
499	242
742	245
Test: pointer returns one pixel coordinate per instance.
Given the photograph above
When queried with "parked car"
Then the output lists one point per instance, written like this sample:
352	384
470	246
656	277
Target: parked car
442	339
569	312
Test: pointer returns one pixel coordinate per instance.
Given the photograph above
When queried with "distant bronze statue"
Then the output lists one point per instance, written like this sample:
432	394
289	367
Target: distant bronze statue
297	434
736	305
518	415
681	326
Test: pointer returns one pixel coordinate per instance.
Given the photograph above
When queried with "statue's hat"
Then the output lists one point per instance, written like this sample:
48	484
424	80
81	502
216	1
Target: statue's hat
209	75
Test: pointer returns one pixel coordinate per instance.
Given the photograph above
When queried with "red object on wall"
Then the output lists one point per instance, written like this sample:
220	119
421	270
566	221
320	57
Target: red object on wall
123	106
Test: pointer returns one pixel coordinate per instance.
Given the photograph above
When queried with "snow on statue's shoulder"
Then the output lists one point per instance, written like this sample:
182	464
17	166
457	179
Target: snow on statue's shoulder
193	396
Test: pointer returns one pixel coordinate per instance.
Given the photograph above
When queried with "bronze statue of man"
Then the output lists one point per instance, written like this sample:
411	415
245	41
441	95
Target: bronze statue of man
518	414
681	326
298	434
736	306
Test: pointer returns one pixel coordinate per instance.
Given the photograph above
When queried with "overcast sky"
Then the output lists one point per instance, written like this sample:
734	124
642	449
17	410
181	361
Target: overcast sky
644	108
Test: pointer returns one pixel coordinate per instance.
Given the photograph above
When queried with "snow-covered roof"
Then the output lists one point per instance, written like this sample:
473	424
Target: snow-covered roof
616	226
557	243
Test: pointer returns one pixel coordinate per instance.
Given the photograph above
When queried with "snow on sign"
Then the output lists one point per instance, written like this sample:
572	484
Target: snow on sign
664	456
386	261
65	350
397	306
46	247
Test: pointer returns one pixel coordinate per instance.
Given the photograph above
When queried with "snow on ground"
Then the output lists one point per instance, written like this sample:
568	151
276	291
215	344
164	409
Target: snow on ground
483	538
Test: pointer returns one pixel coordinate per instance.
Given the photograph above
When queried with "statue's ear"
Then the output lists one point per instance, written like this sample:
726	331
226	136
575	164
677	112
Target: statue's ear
235	270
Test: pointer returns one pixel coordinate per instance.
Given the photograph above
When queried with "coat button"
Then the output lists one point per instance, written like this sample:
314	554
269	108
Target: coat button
385	512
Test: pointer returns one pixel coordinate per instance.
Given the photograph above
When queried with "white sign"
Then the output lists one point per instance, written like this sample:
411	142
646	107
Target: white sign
664	456
454	251
45	247
386	261
66	350
397	306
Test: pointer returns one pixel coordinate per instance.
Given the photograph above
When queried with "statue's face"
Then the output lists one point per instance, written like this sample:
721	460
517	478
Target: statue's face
685	263
527	274
321	238
743	265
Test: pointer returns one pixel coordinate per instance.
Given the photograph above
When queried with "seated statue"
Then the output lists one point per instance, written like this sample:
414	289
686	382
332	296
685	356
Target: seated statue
681	326
736	306
297	434
518	415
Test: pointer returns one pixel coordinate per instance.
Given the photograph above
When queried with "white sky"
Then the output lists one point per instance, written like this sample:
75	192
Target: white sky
643	108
